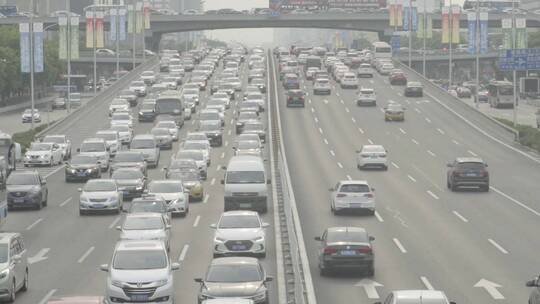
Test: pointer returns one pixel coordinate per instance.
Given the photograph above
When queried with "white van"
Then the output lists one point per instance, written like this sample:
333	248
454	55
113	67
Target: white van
246	184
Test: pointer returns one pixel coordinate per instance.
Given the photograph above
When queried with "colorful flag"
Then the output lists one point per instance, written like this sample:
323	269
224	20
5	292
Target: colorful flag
392	13
483	32
521	33
146	13
420	33
406	18
24	30
455	23
38	47
507	33
414	19
62	37
471	28
100	31
131	19
74	31
122	23
445	25
139	18
429	26
113	24
89	29
399	13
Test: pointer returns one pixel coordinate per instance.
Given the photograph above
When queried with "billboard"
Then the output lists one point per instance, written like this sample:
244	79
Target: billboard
328	3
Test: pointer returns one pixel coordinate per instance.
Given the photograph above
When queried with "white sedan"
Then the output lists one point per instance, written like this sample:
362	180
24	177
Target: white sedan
352	195
372	156
39	153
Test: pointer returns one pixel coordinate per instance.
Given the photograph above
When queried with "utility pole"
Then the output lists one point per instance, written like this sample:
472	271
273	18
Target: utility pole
410	32
424	32
514	76
31	31
477	48
68	41
450	32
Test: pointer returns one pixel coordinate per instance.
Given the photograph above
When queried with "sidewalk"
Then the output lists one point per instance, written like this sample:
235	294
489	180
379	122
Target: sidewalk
525	111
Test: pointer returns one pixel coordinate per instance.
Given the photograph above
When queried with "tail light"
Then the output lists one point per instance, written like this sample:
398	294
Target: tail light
341	195
330	250
368	195
484	173
366	250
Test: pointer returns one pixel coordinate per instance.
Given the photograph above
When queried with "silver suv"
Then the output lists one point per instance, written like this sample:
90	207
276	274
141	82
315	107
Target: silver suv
13	266
139	272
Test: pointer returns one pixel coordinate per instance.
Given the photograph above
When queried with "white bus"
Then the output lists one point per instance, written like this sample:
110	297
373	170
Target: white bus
501	94
381	50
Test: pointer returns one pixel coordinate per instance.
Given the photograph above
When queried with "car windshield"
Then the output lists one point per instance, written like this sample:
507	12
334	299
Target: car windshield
138	84
168	187
3	253
395	107
127	92
245	177
209	126
354	188
120	128
22	179
195	145
248	144
139	259
253	126
168	106
120	116
239	221
142	144
54	139
128	157
166	124
247	115
254	97
347	236
148	206
93	147
99	185
147	106
127	174
235	273
471	166
191	91
83	160
185	175
160	131
143	223
209	116
196	155
119	102
107	136
40	147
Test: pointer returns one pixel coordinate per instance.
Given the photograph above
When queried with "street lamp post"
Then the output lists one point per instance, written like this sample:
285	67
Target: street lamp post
477	48
410	32
450	32
514	73
424	34
31	31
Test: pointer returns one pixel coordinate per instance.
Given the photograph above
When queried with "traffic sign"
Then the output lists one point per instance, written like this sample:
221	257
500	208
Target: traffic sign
519	59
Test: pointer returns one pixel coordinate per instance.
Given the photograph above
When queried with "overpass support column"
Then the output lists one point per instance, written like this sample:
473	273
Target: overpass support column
152	42
382	37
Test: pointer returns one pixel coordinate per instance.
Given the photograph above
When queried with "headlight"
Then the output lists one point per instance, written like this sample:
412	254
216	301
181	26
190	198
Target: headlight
258	239
220	240
72	170
44	156
87	170
119	284
4	273
83	199
113	199
139	188
141	113
162	282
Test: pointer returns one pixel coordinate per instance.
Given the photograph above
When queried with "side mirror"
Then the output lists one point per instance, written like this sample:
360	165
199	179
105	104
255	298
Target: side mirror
330	189
265	225
372	238
78	149
449	165
269	279
268	181
223	182
17	259
531	283
168	227
119	228
43	182
104	267
79	189
175	266
486	164
213	226
198	280
224	167
318	238
372	189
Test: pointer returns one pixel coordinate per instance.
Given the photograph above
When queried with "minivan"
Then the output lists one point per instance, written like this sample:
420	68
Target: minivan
246	184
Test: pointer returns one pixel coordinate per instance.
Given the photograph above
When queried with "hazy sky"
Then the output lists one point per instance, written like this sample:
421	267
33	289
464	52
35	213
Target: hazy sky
246	36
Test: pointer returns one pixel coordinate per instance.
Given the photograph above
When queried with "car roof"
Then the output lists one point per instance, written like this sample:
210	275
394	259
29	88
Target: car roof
144	215
353	182
245	162
5	237
228	301
235	260
239	212
469	160
144	136
134	245
346	229
94	139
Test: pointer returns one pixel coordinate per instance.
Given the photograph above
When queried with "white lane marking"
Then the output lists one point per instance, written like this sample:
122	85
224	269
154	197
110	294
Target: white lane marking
326	101
332	152
371	81
408	101
379	217
417	110
395	165
455	142
312	110
370	288
411	178
34	224
213	181
86	254
309	101
347	110
428	120
340	165
399	94
230	132
232	121
461	217
414	141
399	245
440	131
197	219
53	172
326	141
38	257
370	141
426	283
65	202
206	197
343	102
402	131
316	119
349	177
307	94
499	247
515	201
226	143
47	297
337	93
222	154
183	253
472	153
360	130
353	120
381	109
320	130
193	122
431	153
491	288
432	194
116	220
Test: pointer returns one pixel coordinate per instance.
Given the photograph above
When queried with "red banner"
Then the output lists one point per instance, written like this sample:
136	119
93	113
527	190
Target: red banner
100	35
445	25
455	23
89	30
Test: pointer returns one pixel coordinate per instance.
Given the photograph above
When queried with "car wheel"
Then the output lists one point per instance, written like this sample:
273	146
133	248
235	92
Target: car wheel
370	271
12	292
46	199
25	283
385	168
485	188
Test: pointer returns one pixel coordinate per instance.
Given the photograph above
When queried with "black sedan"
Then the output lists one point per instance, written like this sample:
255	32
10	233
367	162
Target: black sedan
82	168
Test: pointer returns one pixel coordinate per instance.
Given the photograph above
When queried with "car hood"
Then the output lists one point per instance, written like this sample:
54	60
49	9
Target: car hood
145	152
240	233
39	153
147	234
232	289
88	166
22	188
99	194
127	165
95	154
128	182
170	196
143	275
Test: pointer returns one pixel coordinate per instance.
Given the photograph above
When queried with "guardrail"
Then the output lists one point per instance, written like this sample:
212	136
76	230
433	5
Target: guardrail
102	96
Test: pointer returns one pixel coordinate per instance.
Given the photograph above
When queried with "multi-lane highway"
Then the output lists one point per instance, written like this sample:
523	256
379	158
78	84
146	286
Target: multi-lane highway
66	249
477	247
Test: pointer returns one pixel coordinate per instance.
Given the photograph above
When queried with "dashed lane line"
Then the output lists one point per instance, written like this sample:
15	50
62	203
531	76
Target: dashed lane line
353	120
113	224
360	130
86	254
440	131
428	120
349	177
370	141
183	253
65	202
332	152
402	131
431	153
432	194
48	296
399	245
472	153
206	197
34	224
340	165
395	165
455	142
326	141
414	141
213	181
411	178
197	219
379	217
499	247
461	217
426	283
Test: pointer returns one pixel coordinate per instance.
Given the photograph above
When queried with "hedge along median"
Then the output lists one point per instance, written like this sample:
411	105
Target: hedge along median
27	137
528	136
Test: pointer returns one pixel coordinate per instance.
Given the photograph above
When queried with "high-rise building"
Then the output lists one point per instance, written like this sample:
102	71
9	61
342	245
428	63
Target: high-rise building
182	5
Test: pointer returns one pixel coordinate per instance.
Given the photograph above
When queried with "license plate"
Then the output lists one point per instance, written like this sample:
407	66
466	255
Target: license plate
98	206
139	298
373	156
245	205
470	174
81	174
348	252
239	247
18	200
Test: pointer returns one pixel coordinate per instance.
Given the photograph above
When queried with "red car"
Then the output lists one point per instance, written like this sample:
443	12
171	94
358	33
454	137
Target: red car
398	78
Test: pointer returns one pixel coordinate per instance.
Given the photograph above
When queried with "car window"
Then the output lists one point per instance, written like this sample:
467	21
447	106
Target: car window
22	179
470	166
239	221
139	259
346	236
355	188
234	273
